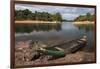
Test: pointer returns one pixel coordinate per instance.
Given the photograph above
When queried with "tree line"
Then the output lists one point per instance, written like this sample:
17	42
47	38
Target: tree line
26	14
87	17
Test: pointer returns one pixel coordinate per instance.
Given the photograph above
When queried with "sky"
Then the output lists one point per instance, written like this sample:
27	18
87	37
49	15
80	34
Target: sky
68	13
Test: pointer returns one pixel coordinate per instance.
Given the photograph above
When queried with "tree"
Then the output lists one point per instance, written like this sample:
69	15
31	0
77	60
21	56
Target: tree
42	16
58	17
87	17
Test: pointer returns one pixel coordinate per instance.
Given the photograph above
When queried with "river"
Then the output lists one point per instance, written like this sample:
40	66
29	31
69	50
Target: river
65	31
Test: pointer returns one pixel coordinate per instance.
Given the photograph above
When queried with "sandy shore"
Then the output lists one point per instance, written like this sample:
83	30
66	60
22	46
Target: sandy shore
32	21
84	22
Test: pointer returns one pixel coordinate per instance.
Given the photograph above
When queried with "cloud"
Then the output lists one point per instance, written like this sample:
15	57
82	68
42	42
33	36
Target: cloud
69	13
69	16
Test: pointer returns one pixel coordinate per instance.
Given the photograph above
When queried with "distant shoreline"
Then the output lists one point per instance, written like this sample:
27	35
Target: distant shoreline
83	22
32	21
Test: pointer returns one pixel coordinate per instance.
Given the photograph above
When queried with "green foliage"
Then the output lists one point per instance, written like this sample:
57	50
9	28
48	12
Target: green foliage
87	17
42	16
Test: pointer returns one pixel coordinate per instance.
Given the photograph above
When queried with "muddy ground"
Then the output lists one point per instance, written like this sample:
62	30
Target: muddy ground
24	52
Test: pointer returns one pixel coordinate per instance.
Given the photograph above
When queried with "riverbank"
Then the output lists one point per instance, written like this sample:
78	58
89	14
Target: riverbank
78	57
32	21
23	54
84	22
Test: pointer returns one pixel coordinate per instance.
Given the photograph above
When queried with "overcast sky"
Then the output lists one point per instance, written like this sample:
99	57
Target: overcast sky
68	13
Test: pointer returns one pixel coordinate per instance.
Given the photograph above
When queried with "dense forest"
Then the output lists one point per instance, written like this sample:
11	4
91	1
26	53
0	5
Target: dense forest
41	16
87	17
26	14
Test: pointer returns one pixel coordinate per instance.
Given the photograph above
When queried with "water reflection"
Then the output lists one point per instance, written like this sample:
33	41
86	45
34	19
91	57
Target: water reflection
86	27
55	32
22	28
